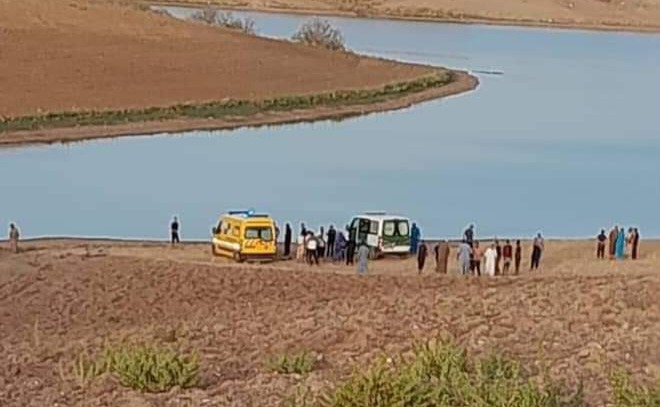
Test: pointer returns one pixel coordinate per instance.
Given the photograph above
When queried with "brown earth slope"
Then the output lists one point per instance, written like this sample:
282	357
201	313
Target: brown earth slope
63	55
577	317
598	14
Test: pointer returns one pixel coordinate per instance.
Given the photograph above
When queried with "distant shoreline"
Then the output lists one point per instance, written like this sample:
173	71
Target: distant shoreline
447	18
382	100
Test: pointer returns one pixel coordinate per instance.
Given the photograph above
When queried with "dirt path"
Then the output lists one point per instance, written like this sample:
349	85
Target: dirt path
578	317
634	15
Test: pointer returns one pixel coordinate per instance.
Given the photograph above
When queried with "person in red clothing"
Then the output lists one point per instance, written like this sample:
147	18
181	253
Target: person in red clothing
507	256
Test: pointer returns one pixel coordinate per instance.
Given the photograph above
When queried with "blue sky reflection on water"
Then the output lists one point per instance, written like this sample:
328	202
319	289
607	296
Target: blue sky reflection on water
565	141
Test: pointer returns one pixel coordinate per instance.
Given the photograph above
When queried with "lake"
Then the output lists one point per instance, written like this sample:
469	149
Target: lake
565	141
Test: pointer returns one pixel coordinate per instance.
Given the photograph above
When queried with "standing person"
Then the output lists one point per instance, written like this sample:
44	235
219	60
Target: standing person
174	231
635	248
421	257
518	256
468	235
507	256
537	251
600	249
629	241
350	246
621	244
321	245
464	256
363	258
498	249
614	233
311	249
303	230
300	247
14	235
415	236
340	248
332	237
476	258
441	257
287	240
491	260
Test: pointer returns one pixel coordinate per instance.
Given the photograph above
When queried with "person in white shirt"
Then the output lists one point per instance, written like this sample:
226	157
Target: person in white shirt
491	260
311	249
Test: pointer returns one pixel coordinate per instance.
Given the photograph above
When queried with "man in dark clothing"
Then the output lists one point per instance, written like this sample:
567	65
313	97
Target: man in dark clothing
507	256
287	240
332	237
635	245
350	246
518	256
468	235
174	231
498	249
600	249
422	252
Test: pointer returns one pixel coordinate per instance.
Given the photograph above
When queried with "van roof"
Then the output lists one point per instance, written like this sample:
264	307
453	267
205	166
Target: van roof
246	216
380	216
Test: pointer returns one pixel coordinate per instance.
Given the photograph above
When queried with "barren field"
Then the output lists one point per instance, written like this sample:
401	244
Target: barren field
577	317
63	56
636	15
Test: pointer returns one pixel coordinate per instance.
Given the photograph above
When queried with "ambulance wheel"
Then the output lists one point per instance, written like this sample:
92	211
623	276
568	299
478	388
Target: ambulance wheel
238	257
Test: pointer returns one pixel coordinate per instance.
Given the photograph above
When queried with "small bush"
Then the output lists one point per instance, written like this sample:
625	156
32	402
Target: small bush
320	33
210	15
206	15
628	394
246	25
151	369
440	374
85	369
300	363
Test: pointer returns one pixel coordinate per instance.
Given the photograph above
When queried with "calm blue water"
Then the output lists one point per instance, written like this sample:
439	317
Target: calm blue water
565	141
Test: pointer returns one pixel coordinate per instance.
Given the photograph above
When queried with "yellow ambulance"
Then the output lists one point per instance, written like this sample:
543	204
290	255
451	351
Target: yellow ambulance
245	235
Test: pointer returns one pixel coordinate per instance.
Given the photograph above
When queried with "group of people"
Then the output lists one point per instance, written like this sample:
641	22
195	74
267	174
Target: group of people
497	259
334	245
621	245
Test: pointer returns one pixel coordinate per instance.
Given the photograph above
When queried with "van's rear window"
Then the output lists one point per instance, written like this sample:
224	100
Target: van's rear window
395	228
263	233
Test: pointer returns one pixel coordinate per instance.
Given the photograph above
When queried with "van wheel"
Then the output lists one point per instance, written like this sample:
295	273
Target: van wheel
238	257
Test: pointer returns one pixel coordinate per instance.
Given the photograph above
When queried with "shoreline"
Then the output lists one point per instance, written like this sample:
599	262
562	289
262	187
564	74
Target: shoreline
446	19
461	82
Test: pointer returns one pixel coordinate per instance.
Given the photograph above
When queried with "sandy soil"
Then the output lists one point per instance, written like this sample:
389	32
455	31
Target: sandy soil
635	15
577	317
63	55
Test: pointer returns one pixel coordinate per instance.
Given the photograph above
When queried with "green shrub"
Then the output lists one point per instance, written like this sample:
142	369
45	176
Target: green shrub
628	394
440	374
151	369
299	363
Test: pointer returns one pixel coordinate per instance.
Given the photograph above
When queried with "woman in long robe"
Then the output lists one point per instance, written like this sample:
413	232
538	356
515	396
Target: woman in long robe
621	244
612	241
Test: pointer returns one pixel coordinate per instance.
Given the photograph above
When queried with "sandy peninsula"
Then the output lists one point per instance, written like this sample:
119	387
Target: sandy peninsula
79	69
575	319
628	15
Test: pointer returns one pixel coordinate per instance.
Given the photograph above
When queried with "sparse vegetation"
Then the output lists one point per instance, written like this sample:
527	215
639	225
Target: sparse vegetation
152	369
441	374
628	394
299	363
210	15
144	368
320	33
224	109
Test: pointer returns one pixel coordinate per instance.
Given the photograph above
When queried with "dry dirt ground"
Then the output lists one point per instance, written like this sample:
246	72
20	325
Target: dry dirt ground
63	55
578	317
598	14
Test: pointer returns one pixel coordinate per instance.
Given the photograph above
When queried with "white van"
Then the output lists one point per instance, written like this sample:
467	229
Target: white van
385	234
